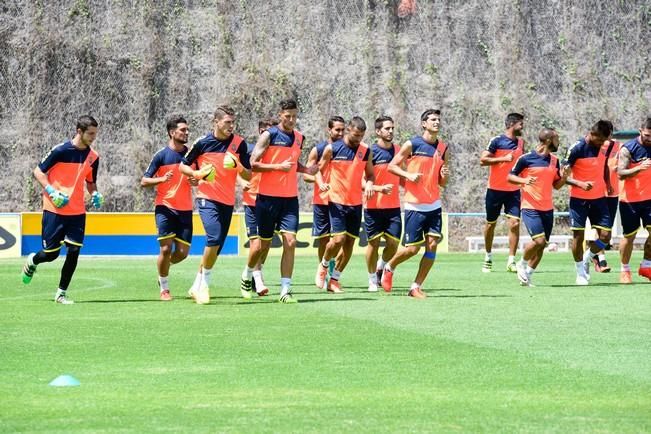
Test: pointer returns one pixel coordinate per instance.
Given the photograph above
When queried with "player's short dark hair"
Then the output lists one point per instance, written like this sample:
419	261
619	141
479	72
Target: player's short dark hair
546	134
358	123
173	123
429	112
84	122
646	124
288	104
512	119
267	122
333	119
603	128
222	111
381	120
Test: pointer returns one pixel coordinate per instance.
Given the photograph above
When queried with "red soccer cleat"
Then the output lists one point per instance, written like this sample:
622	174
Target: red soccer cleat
417	293
334	287
387	280
645	272
625	277
600	266
165	295
320	278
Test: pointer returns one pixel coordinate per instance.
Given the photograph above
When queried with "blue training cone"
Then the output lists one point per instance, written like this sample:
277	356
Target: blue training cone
64	380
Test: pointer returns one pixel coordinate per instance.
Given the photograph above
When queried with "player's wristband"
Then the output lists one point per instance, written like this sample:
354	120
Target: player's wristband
49	189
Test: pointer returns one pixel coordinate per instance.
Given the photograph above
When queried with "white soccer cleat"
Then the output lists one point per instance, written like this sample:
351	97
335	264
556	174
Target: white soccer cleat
522	275
582	280
200	295
372	287
586	269
60	298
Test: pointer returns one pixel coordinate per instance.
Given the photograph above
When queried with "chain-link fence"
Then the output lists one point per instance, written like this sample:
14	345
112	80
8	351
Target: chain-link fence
133	63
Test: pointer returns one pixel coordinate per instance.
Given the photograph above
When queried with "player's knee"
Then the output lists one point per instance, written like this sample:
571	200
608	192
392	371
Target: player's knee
541	242
73	250
514	223
49	256
289	242
166	250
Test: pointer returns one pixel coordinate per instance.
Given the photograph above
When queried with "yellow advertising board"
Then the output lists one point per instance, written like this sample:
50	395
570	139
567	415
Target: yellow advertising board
305	244
10	236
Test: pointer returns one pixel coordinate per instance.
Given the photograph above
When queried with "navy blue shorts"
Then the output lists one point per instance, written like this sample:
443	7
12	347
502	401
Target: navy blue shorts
378	222
613	202
538	223
497	199
216	219
250	222
57	229
594	209
631	213
419	224
276	213
175	224
320	221
345	219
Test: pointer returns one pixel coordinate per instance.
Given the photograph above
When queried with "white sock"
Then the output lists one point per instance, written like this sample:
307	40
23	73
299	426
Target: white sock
645	263
414	285
625	267
205	276
247	273
523	263
511	260
259	282
372	278
164	283
285	284
579	268
488	256
197	281
324	263
530	270
588	255
602	257
380	264
336	274
388	268
61	292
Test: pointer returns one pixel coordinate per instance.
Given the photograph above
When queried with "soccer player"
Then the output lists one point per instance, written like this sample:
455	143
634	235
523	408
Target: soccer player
537	172
427	160
173	202
226	154
588	196
382	217
610	149
63	173
635	199
500	157
249	193
321	217
276	156
350	161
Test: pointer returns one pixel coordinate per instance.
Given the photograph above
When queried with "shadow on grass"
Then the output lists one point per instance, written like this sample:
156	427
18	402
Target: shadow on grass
591	285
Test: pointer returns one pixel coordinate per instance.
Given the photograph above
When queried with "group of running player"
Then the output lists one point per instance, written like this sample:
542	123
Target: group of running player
603	175
351	179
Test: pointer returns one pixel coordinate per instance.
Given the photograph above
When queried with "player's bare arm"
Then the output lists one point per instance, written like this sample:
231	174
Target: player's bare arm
623	170
152	182
396	165
444	174
488	159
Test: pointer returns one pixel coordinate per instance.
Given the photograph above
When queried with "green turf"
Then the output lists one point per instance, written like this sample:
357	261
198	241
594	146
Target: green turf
481	354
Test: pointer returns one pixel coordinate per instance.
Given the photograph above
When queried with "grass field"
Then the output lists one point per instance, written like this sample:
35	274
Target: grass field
481	354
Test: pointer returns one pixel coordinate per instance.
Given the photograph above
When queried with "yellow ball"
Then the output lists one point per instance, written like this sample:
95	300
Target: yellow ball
229	161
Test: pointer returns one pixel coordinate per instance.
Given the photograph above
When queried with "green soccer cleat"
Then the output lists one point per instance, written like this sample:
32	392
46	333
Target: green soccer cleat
246	289
29	270
287	299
